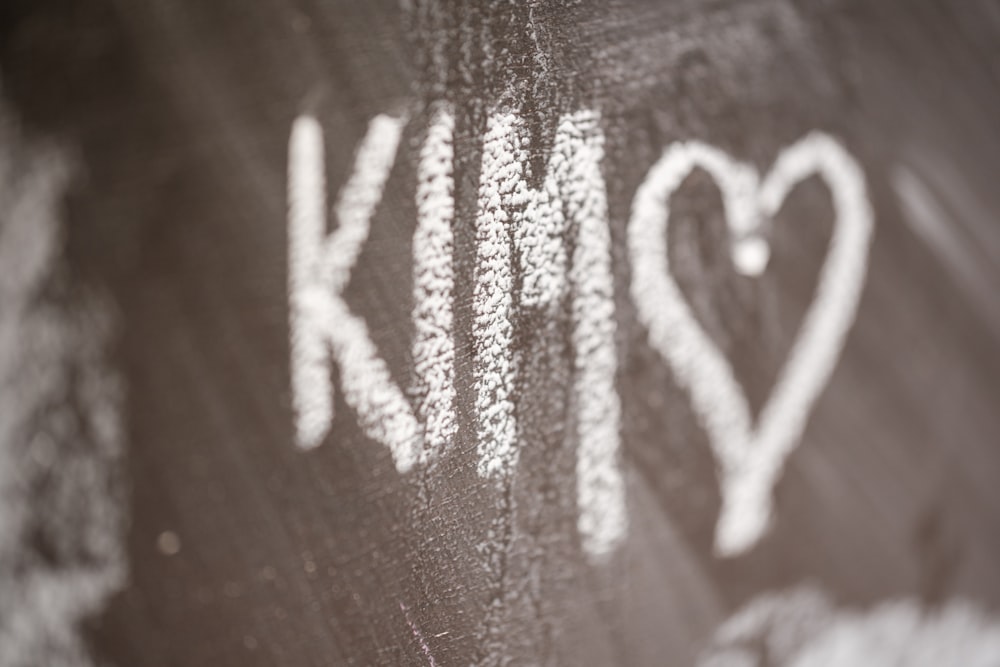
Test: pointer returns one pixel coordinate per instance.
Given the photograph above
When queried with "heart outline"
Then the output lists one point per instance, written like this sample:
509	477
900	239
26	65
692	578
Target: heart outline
751	455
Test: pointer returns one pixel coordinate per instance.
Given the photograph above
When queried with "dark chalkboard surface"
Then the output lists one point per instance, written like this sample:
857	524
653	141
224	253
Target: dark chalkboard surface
499	333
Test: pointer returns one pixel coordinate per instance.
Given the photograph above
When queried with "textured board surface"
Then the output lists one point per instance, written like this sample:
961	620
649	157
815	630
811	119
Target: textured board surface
243	548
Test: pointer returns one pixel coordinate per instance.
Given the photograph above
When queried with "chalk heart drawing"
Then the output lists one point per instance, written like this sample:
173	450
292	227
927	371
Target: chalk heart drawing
750	456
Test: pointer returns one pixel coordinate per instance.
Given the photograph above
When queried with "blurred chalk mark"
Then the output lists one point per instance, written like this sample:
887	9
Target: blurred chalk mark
802	628
61	515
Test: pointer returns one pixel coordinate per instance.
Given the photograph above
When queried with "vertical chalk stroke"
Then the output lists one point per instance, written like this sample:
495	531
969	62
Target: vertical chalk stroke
603	520
61	517
802	628
751	458
494	364
536	264
319	268
493	303
433	288
537	223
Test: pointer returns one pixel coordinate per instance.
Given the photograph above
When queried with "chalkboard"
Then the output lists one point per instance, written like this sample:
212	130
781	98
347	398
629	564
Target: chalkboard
499	333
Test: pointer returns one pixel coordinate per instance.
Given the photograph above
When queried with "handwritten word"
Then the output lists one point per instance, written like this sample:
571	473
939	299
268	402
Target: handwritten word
572	201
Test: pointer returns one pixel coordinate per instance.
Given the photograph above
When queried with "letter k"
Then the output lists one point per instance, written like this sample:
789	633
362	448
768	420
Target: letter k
323	328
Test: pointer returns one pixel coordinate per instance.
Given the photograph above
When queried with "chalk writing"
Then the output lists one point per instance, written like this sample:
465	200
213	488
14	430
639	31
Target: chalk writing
319	269
494	302
600	488
570	203
433	284
555	239
750	457
535	223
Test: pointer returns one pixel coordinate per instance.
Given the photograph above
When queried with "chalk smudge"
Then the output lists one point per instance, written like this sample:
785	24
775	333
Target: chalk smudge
750	457
802	628
61	510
